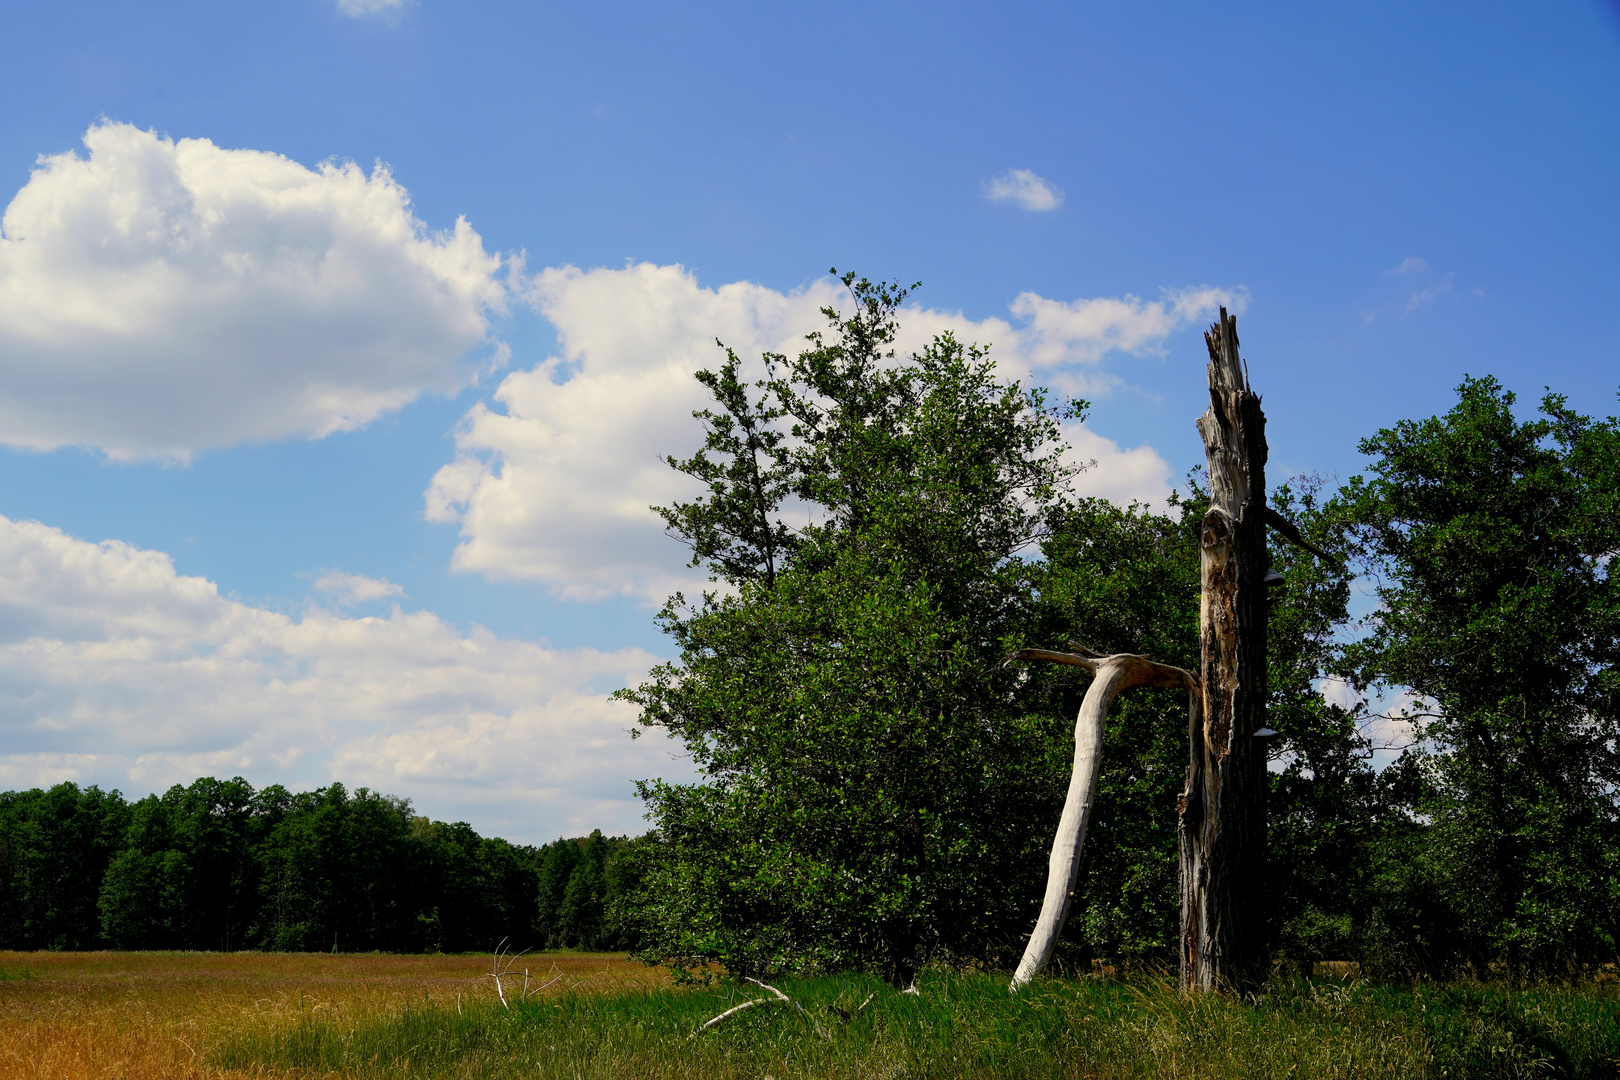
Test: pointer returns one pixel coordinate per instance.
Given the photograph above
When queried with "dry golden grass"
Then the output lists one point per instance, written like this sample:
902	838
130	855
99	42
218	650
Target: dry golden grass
78	1016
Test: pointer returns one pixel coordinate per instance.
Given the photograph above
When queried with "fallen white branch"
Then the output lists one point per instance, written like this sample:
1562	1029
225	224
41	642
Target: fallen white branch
777	998
799	1008
1114	675
733	1011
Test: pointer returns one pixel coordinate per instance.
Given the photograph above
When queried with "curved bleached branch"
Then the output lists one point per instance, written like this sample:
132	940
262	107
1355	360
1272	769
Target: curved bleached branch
1114	675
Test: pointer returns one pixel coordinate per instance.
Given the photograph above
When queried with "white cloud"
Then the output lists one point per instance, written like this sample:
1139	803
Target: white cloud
158	297
359	9
555	483
557	486
1409	265
1119	475
1424	297
114	669
351	589
1024	190
1061	335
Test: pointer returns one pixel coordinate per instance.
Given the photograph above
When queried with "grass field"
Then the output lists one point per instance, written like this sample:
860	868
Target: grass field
65	1016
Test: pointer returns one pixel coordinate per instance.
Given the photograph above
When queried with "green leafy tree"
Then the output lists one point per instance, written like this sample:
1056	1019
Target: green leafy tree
55	846
144	894
1126	579
869	773
747	470
1120	579
584	899
1492	541
557	864
1330	813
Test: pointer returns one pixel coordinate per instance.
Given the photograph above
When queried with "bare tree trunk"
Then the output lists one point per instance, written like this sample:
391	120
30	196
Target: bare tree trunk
1114	674
1223	811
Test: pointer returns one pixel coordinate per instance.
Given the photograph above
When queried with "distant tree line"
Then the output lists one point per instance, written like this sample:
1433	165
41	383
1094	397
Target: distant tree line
220	866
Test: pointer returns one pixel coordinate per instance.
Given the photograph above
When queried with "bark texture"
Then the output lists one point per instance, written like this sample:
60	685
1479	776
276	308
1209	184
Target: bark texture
1114	674
1223	810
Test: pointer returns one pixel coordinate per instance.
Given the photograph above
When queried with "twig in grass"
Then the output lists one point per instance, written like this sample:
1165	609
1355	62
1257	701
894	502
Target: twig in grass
777	998
797	1007
527	992
844	1015
734	1010
498	972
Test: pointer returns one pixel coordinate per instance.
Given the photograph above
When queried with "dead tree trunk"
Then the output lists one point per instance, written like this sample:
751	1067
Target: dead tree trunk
1223	810
1114	675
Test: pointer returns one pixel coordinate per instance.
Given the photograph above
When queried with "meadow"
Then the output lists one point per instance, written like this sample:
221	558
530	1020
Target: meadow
69	1016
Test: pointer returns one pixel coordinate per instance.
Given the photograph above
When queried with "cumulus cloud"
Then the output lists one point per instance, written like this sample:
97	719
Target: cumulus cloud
554	483
1412	264
1061	335
1024	190
1115	473
117	670
159	297
351	589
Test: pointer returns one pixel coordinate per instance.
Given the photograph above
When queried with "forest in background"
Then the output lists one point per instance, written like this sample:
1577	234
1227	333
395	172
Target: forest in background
220	866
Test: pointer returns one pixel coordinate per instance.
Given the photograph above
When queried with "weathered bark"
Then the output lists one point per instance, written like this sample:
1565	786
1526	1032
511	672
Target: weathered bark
1114	674
1223	810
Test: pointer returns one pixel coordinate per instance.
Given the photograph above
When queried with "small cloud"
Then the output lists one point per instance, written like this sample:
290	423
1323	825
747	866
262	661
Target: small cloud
1409	265
360	9
351	589
1025	190
1427	296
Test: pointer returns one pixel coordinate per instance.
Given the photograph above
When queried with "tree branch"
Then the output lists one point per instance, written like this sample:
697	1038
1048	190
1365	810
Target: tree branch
1114	675
1291	533
777	998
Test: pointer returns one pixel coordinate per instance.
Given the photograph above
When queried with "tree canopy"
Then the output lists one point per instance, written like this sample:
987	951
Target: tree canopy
879	789
866	762
1492	542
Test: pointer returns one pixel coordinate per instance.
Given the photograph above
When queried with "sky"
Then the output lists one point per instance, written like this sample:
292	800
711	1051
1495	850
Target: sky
339	338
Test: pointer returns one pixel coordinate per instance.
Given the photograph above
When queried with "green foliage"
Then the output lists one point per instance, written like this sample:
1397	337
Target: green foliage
879	789
583	886
217	865
54	845
1125	579
1118	579
868	767
734	527
1492	541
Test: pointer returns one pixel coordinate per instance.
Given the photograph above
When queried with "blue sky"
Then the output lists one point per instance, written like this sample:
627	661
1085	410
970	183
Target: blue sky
411	461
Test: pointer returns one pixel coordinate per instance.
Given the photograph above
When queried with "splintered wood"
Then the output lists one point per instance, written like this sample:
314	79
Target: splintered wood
1223	823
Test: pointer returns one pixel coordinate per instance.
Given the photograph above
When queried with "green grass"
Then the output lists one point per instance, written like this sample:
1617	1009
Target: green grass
966	1026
